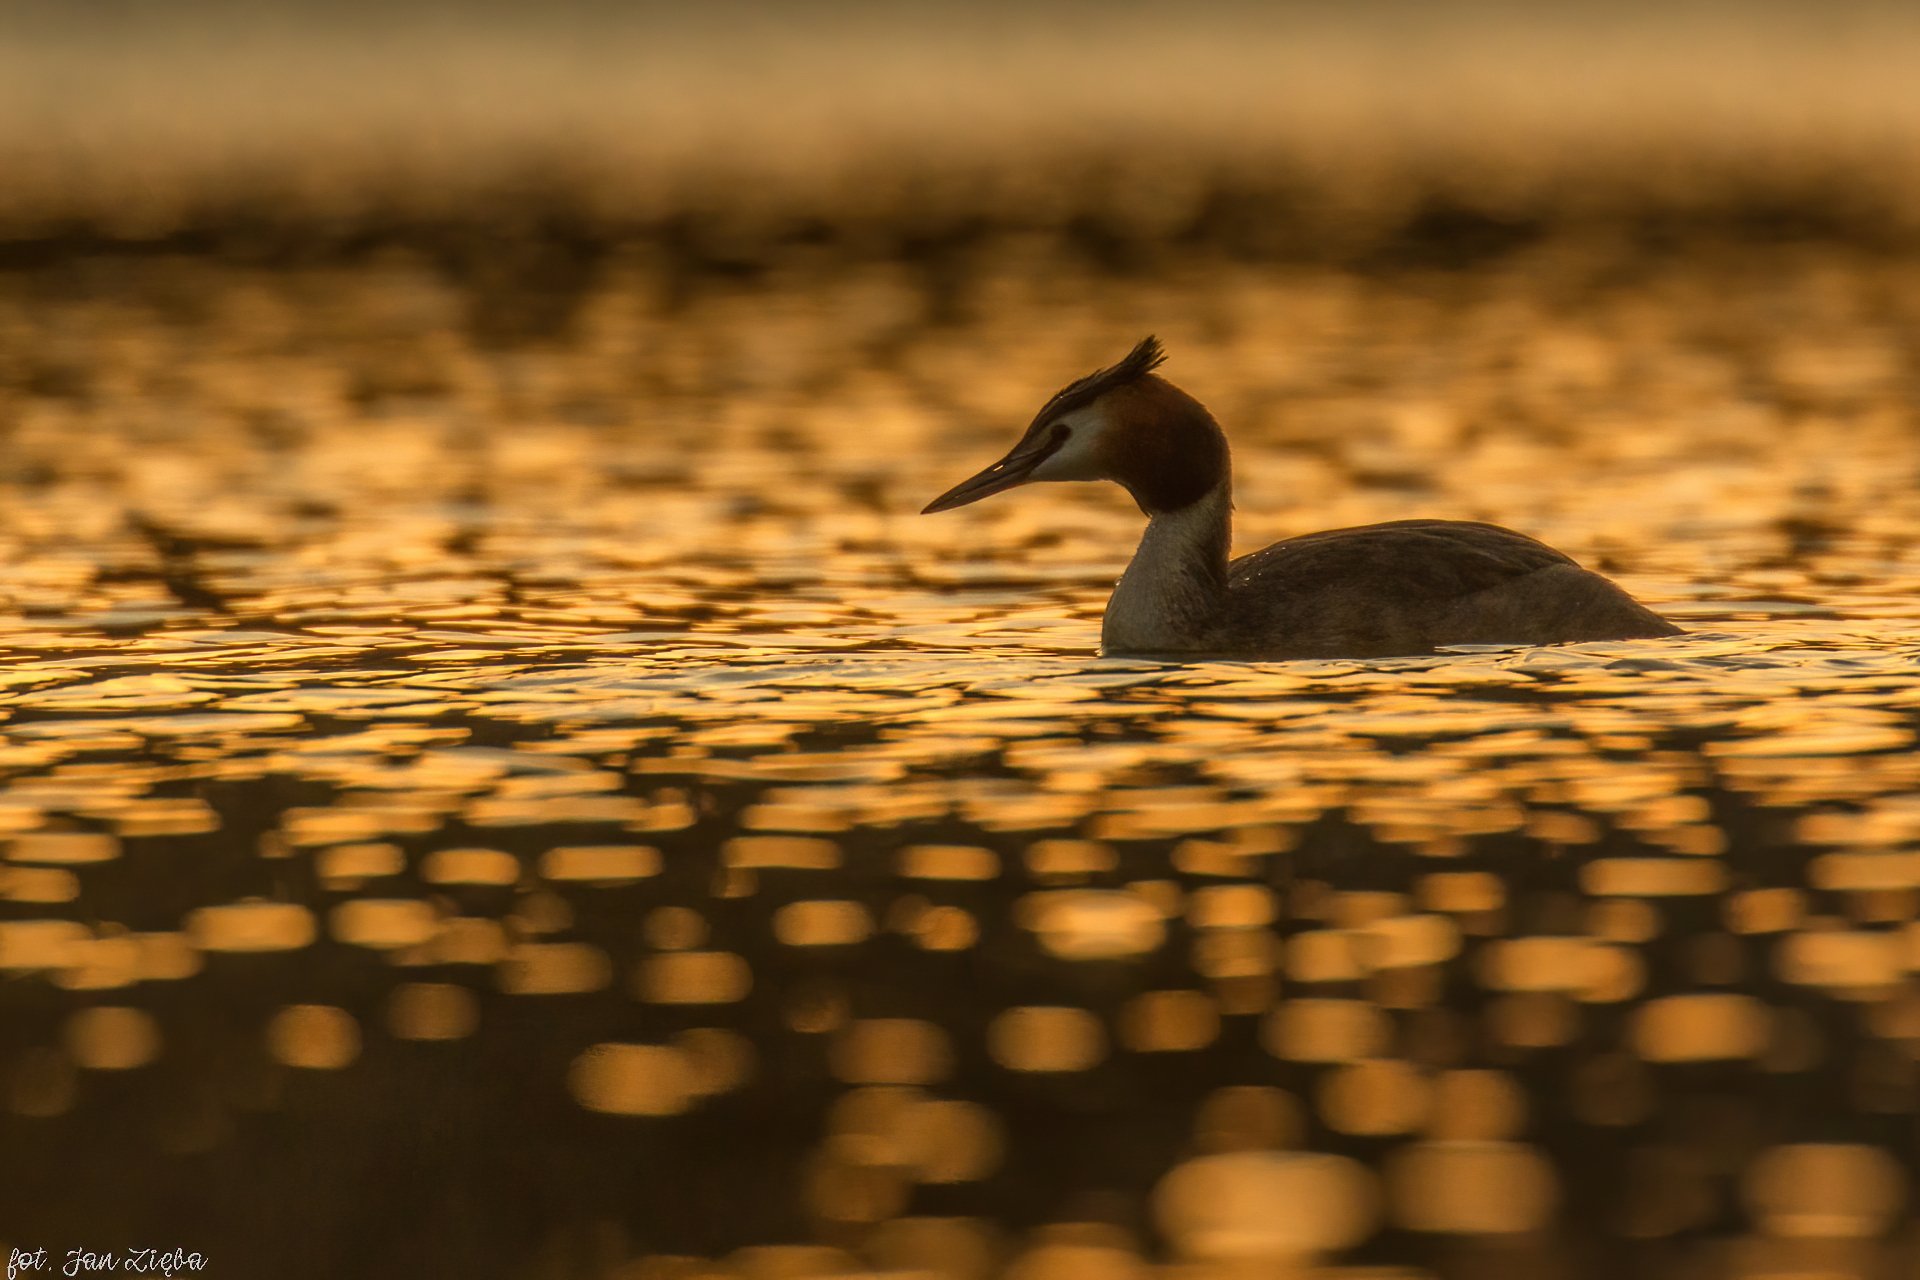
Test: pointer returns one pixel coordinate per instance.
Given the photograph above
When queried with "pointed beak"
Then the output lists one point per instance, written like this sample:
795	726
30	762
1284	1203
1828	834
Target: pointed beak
1014	469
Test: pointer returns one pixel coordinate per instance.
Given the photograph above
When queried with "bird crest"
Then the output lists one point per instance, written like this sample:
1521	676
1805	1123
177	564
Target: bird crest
1145	357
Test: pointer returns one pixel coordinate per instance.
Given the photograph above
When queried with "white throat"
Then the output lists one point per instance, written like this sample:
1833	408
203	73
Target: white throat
1169	597
1079	457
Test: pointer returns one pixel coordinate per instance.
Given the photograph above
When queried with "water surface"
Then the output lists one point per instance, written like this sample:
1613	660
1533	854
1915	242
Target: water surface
497	779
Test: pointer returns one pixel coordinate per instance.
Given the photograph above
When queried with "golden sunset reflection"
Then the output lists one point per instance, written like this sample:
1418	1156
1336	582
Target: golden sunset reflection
496	778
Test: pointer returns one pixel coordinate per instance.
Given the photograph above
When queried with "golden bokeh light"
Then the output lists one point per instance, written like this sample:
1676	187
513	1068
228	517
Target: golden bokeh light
432	1011
822	923
1066	1260
675	928
554	968
691	977
1265	1206
718	1060
600	864
252	926
1238	906
470	867
1046	1039
950	1248
112	1038
1700	1027
1176	1021
1384	1096
384	923
63	848
1326	1030
1471	1188
800	853
948	862
1069	860
1094	924
317	1037
633	1080
1475	1105
891	1051
347	866
1825	1190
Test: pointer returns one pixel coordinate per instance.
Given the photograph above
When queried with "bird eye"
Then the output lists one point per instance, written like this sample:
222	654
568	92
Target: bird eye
1061	431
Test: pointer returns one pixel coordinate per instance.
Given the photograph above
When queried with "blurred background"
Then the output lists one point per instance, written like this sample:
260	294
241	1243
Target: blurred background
498	781
1293	127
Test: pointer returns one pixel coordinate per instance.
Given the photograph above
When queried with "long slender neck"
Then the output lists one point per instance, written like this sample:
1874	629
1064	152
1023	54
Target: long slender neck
1176	586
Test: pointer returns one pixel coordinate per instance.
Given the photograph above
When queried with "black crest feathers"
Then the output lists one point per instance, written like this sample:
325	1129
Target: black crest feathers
1145	357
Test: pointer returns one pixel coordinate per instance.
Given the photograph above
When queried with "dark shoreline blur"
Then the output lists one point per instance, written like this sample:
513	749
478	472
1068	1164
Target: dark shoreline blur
1283	132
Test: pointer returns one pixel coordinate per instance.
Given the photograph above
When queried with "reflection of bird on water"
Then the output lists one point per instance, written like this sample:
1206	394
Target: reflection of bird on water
1398	588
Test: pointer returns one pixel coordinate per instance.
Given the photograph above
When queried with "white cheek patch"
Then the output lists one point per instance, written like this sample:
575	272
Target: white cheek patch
1079	457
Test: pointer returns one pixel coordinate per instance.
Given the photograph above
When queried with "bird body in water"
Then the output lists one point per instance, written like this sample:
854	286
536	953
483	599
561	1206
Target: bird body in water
1405	587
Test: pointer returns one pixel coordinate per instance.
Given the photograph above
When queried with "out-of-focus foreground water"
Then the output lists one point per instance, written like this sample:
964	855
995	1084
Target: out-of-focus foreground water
495	778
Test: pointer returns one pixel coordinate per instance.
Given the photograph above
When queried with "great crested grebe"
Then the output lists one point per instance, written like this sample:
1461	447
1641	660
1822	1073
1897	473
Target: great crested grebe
1405	587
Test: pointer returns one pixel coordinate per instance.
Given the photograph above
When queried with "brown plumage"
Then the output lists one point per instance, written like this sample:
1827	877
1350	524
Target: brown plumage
1406	587
1410	586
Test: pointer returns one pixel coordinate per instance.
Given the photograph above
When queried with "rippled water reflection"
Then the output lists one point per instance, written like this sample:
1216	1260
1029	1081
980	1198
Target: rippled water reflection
501	782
